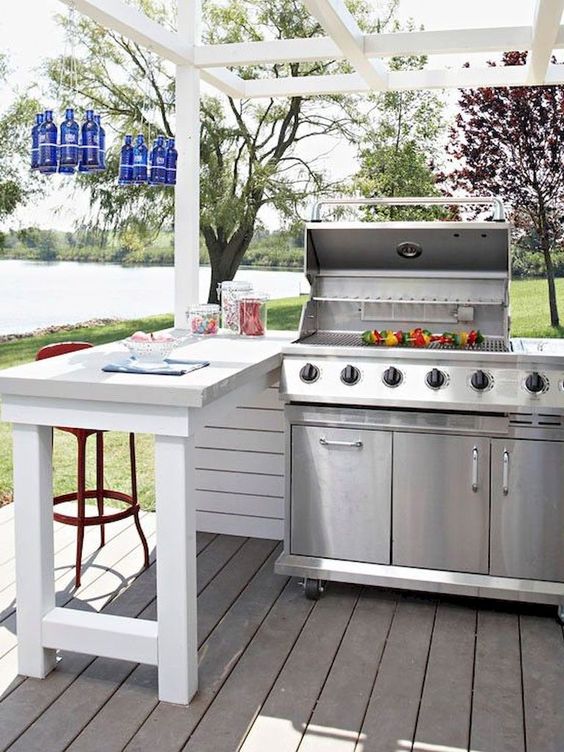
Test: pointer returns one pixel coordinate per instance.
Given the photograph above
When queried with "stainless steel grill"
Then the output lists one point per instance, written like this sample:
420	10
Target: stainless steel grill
415	467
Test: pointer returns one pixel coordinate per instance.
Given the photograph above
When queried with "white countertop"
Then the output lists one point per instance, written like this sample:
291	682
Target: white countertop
79	375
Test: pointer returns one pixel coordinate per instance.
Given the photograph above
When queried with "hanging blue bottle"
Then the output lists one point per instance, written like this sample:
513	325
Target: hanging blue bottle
171	160
48	144
157	175
89	151
39	118
69	143
126	162
140	161
101	143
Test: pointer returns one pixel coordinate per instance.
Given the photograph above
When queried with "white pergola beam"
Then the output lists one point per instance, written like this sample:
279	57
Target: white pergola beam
450	42
339	24
139	28
136	26
353	83
546	25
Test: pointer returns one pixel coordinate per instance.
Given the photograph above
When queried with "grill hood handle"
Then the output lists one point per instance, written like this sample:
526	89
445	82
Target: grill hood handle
498	214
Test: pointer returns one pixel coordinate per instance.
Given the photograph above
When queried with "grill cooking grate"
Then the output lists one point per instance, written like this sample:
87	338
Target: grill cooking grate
353	339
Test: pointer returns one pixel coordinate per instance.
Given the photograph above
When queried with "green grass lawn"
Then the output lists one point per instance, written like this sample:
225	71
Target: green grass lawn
529	319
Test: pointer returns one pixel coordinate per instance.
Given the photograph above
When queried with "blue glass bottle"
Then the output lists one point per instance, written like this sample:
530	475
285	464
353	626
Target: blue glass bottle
69	143
171	160
157	175
126	162
48	144
39	118
101	143
140	160
89	152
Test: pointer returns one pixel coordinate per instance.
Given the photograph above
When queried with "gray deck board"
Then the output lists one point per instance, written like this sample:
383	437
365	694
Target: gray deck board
359	671
497	712
542	648
447	693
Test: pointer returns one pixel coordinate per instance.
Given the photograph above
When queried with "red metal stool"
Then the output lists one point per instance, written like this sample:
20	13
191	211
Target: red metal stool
99	493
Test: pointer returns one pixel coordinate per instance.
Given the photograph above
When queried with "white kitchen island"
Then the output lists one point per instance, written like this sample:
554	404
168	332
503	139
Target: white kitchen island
72	390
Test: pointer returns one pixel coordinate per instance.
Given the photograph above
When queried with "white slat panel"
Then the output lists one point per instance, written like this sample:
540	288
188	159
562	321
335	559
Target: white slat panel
229	524
240	504
268	399
265	420
245	483
244	462
233	438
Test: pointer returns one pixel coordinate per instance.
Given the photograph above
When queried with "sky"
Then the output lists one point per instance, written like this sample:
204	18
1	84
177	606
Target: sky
29	34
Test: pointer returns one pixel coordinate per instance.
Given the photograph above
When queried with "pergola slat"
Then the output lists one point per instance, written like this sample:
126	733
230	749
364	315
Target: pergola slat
338	22
548	14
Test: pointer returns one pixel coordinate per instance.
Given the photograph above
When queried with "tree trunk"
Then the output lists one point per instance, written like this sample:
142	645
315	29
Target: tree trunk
225	256
552	302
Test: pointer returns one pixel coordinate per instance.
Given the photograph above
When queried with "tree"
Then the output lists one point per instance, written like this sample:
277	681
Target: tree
254	154
16	185
510	142
398	152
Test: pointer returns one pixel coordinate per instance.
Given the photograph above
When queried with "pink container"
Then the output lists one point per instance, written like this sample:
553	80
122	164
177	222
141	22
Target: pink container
252	314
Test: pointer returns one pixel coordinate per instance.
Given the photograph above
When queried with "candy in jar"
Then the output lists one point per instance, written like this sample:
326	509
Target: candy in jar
203	319
252	314
229	292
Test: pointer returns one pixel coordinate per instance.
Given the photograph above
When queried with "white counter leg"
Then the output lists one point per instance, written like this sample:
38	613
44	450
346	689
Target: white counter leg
35	586
176	570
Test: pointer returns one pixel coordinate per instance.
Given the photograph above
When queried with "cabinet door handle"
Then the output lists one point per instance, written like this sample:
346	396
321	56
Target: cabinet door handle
324	442
505	480
475	457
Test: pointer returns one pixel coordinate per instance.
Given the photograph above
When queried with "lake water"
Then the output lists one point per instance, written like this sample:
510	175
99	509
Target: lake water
35	294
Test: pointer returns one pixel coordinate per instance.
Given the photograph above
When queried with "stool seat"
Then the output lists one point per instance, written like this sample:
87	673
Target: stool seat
100	493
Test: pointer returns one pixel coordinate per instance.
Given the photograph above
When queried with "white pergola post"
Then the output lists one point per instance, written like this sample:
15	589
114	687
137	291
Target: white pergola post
187	191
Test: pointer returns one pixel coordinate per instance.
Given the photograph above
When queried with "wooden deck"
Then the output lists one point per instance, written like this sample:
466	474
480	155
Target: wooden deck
362	670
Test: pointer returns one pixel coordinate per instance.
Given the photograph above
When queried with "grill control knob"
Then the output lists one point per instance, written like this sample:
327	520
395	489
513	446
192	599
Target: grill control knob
309	373
435	379
392	376
350	375
535	383
480	380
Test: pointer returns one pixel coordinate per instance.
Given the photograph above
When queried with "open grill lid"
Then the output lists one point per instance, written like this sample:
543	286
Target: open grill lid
390	275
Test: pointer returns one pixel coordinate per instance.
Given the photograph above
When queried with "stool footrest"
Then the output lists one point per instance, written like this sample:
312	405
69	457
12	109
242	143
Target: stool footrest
102	519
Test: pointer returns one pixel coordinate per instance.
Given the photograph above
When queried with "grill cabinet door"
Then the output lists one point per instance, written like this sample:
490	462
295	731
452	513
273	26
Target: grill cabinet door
527	516
441	493
341	493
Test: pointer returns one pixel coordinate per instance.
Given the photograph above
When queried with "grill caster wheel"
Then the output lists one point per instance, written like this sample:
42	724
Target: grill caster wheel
313	589
560	614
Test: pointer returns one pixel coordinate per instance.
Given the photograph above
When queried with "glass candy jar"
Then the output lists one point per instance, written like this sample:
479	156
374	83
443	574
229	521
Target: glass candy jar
229	293
252	313
203	319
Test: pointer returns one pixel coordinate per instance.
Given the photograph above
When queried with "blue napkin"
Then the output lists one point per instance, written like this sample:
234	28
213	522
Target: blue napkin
131	365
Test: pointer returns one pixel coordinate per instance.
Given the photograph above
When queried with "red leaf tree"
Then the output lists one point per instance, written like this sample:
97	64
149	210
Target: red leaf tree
509	141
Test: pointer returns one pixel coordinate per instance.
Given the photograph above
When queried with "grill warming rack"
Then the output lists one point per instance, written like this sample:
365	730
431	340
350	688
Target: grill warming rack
354	339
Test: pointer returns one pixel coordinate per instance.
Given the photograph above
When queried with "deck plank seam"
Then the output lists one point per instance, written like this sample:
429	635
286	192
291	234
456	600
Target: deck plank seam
427	660
523	703
471	711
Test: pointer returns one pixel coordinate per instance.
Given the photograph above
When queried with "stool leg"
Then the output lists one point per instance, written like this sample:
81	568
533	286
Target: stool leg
135	499
80	497
100	482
